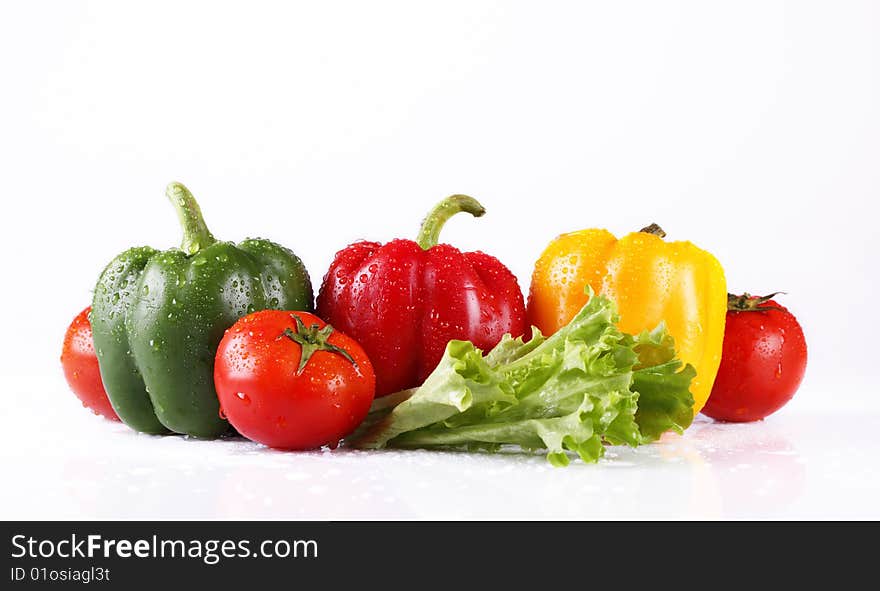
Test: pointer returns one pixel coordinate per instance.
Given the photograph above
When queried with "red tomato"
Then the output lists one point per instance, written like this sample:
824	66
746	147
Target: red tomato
762	361
289	381
81	367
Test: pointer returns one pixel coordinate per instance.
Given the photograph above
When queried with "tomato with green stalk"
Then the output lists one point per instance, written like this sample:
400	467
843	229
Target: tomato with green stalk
763	360
290	381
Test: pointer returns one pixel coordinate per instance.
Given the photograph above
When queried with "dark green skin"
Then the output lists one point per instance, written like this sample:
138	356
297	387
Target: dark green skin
158	316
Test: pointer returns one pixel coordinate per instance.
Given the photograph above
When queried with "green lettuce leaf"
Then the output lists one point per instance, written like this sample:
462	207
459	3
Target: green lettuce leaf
587	385
665	403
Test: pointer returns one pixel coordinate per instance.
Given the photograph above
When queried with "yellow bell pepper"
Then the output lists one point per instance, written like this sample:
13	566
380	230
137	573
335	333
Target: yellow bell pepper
649	279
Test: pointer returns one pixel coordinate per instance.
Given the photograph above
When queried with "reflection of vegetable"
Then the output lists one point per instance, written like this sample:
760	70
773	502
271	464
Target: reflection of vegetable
290	381
157	318
763	363
81	367
404	300
586	385
650	280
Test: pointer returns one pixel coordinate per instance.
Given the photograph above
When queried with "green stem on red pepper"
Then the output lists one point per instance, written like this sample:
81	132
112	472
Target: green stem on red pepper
429	234
402	300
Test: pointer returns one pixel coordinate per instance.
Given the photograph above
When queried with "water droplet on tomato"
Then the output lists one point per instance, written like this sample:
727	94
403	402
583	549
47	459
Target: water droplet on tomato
245	399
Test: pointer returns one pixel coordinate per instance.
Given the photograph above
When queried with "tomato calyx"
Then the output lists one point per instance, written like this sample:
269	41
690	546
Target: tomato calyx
749	303
313	339
655	230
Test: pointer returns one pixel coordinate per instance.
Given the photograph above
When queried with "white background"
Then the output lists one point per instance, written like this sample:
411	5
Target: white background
749	128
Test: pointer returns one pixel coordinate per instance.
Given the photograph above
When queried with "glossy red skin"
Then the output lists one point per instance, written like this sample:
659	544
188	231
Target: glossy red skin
80	366
762	364
278	407
403	304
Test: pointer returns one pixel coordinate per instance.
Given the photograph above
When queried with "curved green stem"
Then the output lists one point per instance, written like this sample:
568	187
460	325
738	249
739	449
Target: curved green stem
429	234
196	235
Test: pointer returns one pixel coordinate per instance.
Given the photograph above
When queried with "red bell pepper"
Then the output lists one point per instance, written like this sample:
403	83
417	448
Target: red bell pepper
405	300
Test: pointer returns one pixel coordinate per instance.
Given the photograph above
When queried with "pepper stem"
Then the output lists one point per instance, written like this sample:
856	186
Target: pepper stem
313	339
196	235
429	234
655	230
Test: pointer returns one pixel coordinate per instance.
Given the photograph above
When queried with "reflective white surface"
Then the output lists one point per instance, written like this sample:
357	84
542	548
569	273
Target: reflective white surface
61	462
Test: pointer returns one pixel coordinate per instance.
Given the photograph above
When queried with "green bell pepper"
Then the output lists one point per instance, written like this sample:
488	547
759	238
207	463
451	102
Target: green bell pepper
158	316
